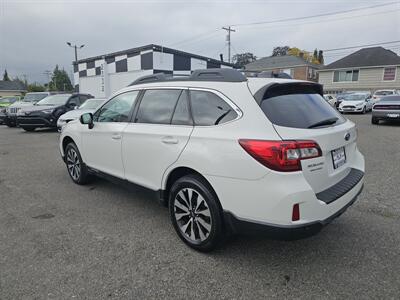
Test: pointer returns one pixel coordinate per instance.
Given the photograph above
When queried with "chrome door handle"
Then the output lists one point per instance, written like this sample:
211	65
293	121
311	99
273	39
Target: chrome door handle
169	140
116	136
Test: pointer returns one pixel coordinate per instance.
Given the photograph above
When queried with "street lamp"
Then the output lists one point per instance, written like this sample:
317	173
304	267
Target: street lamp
76	49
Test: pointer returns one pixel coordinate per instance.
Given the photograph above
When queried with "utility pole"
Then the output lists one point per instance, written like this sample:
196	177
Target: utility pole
228	39
48	74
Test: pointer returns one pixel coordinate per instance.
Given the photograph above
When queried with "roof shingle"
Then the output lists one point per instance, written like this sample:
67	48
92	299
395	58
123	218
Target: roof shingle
11	86
271	62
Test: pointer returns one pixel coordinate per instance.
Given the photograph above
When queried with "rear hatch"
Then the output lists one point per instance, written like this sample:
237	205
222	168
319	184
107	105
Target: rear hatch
298	111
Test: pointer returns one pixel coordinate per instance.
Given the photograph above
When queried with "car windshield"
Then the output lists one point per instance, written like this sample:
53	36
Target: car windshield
34	97
354	97
91	104
54	100
384	93
390	98
8	100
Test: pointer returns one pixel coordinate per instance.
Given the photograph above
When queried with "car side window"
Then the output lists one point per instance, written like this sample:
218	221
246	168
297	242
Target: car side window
83	98
182	113
157	106
209	109
73	101
117	109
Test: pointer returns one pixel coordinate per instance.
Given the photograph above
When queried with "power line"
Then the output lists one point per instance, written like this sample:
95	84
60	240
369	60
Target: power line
360	46
315	16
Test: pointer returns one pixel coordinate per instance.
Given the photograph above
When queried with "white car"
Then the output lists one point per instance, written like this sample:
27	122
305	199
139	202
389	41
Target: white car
331	99
359	102
382	93
227	154
89	106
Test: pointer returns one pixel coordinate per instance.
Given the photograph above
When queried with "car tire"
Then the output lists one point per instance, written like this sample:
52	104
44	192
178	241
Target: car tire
29	129
364	111
10	124
76	168
198	224
374	120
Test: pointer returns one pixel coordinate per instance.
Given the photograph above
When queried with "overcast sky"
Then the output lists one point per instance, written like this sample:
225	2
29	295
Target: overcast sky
33	34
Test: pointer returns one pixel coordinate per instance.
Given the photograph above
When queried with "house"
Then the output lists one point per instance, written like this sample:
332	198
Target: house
105	74
368	69
295	66
11	88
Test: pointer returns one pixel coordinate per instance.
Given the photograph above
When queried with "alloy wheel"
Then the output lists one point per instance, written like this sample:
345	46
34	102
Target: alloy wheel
73	164
192	215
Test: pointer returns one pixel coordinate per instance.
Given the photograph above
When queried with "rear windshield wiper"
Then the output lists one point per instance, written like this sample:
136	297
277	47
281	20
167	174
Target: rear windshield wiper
329	121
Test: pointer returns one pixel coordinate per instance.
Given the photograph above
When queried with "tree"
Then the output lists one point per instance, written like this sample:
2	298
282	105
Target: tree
315	54
242	59
60	80
280	51
5	76
321	57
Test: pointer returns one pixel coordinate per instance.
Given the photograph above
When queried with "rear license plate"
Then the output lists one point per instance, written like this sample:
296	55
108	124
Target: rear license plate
393	115
338	157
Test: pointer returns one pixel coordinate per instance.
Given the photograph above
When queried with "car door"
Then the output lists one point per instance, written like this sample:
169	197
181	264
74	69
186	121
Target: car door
158	134
102	143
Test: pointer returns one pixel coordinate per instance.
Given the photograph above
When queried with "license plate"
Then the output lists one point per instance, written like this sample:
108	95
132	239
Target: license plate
393	115
338	157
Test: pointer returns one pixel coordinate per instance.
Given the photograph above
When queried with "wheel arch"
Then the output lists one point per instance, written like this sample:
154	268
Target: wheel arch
177	173
66	140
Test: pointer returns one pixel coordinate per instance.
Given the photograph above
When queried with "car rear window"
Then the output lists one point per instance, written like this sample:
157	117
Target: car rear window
298	107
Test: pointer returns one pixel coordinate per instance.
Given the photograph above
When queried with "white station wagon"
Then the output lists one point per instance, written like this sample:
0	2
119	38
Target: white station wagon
226	153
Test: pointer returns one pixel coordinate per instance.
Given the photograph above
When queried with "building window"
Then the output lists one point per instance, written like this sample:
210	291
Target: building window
389	73
346	75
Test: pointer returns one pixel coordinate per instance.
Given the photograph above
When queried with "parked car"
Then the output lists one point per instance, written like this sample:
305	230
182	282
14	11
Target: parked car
226	153
382	93
4	103
388	108
46	112
29	100
89	106
331	99
340	96
356	102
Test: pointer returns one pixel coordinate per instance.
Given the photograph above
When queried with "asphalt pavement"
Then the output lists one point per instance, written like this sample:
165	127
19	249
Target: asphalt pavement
59	240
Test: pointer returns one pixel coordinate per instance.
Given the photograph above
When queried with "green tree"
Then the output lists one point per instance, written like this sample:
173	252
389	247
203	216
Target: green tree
315	54
60	80
242	59
321	57
280	51
5	76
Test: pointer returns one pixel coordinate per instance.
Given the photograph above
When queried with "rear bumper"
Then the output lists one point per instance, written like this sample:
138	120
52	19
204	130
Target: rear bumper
282	232
33	121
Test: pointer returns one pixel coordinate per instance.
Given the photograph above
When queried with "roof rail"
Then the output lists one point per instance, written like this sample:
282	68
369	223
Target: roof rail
228	75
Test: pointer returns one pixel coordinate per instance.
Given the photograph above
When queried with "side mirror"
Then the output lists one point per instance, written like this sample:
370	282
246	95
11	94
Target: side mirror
87	119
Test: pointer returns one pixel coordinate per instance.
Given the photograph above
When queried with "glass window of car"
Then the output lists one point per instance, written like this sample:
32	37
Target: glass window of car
209	109
91	104
157	106
34	97
117	109
298	107
182	112
74	101
55	100
355	97
384	93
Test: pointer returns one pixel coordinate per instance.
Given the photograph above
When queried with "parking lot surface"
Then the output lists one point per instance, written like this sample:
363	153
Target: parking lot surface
59	240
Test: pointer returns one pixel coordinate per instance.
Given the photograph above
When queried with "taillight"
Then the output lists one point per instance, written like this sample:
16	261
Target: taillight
283	156
296	212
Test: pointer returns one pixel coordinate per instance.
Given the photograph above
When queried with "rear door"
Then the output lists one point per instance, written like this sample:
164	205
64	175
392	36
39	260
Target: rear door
160	131
301	113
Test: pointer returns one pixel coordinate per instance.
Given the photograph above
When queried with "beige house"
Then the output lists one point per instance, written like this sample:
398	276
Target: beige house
11	88
295	66
368	69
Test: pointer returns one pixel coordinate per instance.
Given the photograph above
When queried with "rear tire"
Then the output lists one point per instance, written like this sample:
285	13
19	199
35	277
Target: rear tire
195	213
374	120
76	168
29	129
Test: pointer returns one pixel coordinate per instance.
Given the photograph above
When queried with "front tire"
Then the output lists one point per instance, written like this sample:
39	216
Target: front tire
364	111
195	213
77	169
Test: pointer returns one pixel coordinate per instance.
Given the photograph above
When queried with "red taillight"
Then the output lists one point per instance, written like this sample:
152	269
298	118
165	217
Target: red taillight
296	212
284	156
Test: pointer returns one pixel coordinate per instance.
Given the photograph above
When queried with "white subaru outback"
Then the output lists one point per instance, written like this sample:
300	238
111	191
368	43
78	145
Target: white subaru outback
228	154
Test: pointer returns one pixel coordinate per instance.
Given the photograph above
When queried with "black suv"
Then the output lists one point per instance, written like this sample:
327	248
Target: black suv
46	112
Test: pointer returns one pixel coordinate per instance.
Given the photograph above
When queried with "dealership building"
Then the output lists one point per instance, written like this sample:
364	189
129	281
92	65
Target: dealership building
102	75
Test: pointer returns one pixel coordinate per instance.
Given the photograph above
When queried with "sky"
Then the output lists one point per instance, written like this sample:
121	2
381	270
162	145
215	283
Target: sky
33	34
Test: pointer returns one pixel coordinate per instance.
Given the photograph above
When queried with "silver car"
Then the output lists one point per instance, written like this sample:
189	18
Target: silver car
388	108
